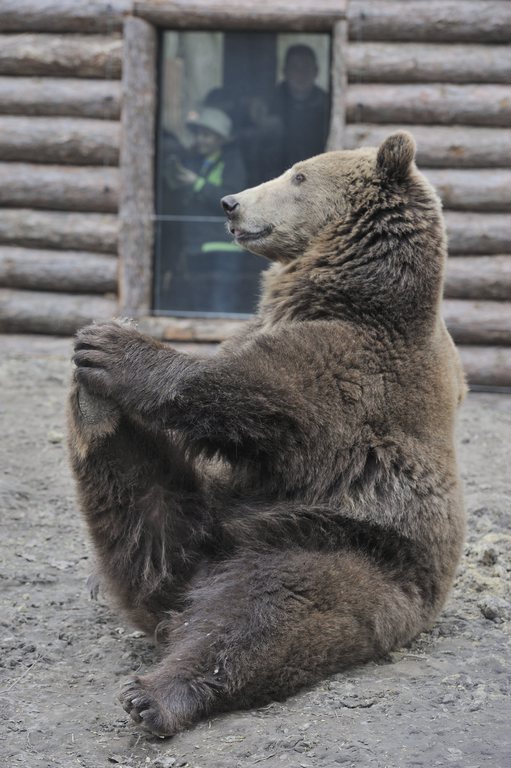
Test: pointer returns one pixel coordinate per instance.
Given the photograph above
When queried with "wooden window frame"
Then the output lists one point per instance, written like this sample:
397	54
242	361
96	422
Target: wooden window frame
138	130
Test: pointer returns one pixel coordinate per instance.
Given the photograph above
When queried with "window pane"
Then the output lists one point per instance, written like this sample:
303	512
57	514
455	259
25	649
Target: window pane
236	109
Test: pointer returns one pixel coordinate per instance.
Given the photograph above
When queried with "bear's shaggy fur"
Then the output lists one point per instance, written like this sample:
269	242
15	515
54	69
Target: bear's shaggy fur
291	505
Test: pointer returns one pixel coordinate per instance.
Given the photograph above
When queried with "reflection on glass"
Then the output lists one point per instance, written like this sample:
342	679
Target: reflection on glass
235	110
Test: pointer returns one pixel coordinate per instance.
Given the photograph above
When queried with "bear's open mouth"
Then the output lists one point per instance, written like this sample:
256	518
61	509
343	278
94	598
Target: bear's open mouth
243	236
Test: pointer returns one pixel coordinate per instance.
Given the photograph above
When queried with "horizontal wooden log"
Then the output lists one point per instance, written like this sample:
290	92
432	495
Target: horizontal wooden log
67	140
440	146
435	20
53	313
486	366
478	277
196	329
64	231
64	188
55	96
474	190
428	63
62	15
300	15
443	104
69	271
61	55
478	322
478	233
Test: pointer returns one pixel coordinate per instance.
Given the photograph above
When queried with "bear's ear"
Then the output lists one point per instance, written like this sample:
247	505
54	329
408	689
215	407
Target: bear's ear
395	156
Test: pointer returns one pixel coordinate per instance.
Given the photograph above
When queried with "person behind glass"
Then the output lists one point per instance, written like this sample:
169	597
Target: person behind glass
211	168
208	270
258	133
302	106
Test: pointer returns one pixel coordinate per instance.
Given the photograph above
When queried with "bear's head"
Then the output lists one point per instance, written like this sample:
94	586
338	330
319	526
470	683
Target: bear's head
280	218
358	225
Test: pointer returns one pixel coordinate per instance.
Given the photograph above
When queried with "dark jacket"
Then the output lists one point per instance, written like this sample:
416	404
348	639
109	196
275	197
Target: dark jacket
304	123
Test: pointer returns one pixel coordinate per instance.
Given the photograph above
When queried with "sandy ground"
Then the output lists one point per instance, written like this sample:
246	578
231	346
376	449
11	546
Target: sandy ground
445	701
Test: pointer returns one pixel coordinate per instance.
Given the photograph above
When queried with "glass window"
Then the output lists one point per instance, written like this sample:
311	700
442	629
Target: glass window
235	109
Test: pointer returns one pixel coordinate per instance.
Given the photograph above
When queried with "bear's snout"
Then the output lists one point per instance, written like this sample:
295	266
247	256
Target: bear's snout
230	205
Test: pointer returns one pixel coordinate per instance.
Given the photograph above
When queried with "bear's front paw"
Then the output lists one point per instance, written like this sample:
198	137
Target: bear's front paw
108	359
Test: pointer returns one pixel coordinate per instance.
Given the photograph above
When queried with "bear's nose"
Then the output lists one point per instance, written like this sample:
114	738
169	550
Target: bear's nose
229	204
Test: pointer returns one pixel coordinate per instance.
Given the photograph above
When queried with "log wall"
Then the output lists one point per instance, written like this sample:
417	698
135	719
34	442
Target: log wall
60	107
441	69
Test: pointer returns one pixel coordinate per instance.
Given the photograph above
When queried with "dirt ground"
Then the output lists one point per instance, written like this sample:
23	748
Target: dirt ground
445	701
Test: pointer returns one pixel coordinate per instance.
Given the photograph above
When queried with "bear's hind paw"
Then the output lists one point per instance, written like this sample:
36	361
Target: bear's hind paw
94	409
163	713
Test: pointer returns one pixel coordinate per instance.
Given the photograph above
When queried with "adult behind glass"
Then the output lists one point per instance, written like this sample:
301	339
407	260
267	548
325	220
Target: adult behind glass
302	106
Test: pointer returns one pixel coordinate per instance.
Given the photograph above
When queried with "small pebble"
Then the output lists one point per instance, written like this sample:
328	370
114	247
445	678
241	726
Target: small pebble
495	608
163	762
54	436
489	557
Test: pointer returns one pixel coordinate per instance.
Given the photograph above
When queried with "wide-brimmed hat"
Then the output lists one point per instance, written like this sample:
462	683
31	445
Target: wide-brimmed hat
211	118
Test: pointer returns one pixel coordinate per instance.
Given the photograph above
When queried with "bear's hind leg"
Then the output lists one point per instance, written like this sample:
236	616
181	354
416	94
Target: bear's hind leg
261	626
142	503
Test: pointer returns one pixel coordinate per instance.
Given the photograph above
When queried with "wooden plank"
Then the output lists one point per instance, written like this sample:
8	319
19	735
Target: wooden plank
478	233
67	140
62	15
474	190
211	330
65	231
478	277
61	55
487	366
68	271
196	329
448	146
136	206
65	188
435	20
299	15
428	63
338	86
60	96
443	104
53	313
478	322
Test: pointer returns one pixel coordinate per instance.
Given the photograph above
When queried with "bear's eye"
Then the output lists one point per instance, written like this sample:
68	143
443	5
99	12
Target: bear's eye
299	178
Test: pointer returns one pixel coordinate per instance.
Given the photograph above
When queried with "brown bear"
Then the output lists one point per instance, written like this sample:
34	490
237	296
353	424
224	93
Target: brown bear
290	505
